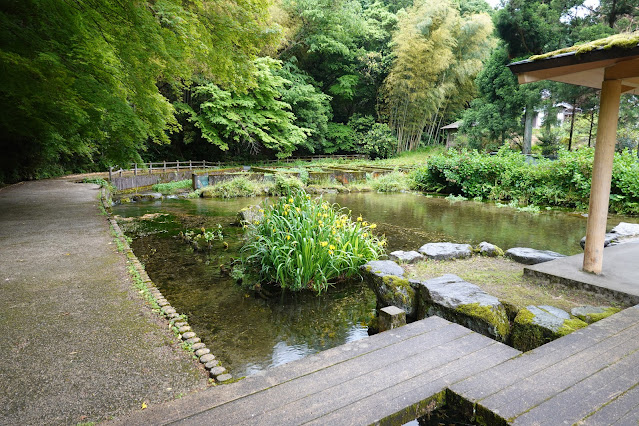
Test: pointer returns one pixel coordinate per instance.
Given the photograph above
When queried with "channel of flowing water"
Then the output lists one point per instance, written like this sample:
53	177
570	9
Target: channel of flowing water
250	334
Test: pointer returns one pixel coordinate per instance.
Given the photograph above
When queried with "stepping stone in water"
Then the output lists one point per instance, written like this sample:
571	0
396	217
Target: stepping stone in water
386	279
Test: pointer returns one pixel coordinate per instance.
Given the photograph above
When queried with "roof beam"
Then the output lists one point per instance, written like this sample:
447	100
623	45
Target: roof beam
623	70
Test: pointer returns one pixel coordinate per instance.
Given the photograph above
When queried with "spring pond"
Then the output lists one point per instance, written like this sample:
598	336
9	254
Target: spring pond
250	334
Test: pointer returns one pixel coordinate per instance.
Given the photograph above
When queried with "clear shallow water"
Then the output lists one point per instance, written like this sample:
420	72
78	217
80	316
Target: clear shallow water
251	334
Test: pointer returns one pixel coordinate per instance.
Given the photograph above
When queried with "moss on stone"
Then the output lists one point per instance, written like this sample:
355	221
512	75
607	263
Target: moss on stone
475	310
624	41
570	325
526	335
400	288
594	317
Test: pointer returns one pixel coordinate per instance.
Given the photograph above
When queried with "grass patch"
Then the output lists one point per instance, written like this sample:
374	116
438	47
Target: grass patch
503	278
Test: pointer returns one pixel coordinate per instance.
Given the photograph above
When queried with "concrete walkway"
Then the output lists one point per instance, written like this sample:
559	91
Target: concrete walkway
76	343
619	277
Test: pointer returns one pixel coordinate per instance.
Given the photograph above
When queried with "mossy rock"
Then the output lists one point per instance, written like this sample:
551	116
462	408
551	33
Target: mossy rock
490	250
396	291
385	278
456	300
590	314
537	325
250	214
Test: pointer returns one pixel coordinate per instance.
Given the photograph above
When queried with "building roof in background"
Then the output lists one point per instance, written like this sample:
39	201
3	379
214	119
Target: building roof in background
455	125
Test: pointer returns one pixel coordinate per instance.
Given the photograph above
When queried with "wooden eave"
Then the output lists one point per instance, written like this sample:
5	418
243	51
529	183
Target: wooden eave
588	69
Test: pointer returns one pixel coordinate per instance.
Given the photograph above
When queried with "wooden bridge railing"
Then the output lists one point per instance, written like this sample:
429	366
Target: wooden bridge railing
164	166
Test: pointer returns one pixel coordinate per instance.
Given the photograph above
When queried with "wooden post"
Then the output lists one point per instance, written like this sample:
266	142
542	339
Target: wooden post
150	167
135	169
177	165
110	173
602	175
164	166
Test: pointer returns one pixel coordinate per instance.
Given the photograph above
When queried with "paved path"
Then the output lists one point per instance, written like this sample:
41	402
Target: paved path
619	277
76	344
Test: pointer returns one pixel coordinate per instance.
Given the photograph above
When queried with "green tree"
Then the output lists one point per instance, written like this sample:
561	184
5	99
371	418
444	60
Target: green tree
343	45
81	79
495	116
311	107
251	120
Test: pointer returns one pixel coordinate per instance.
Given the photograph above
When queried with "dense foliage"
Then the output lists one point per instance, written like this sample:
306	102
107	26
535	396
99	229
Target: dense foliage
87	84
507	177
305	243
92	84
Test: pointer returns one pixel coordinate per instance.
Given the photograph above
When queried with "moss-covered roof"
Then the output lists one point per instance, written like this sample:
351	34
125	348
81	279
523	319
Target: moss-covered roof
624	41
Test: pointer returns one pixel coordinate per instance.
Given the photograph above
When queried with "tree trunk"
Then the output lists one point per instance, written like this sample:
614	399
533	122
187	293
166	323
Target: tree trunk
528	125
592	122
572	127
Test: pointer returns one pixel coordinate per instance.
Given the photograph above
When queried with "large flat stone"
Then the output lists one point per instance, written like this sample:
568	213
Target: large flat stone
456	300
406	256
626	229
384	267
445	251
529	256
609	239
537	325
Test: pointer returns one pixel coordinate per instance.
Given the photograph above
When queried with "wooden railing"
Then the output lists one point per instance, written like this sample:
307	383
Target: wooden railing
318	157
165	166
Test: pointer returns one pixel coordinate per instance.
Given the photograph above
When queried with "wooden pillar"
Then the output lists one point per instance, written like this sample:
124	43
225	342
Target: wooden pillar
602	175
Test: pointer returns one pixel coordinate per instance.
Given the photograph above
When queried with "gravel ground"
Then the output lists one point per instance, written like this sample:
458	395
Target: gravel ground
77	344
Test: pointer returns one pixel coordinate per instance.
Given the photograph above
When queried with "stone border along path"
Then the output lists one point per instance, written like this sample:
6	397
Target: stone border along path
178	322
77	342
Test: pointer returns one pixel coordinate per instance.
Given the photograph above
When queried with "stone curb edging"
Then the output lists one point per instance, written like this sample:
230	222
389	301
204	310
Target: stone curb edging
176	321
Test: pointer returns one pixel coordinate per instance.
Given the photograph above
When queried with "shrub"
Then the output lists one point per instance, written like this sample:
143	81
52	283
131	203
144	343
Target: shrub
238	187
378	142
395	181
285	184
305	243
506	176
170	187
